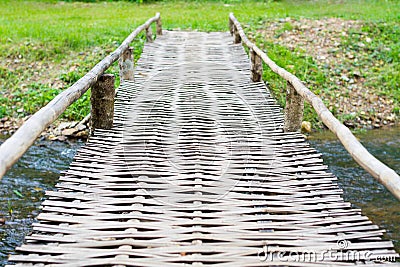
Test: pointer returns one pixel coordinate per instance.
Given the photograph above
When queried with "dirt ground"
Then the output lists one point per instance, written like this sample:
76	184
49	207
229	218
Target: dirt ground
321	39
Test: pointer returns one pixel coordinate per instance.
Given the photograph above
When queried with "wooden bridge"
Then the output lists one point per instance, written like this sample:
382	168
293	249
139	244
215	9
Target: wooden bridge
197	170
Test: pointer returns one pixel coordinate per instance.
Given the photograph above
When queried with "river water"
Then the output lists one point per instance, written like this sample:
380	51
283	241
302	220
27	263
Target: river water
22	189
360	188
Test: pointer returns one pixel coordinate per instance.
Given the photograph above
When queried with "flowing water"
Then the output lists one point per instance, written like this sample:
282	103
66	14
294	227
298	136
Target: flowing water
22	189
360	188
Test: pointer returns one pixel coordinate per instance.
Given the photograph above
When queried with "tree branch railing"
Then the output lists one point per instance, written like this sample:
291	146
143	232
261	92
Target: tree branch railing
15	146
382	173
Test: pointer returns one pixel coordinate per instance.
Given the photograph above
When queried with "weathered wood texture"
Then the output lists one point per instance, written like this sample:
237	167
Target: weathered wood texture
231	30
15	146
237	39
198	172
126	65
159	26
149	34
102	102
383	174
256	67
293	110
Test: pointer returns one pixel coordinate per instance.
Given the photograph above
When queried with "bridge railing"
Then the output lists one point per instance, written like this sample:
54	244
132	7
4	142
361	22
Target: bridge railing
385	175
15	146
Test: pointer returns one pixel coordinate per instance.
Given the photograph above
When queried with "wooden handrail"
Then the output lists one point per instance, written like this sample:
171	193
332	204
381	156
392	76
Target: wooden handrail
385	175
15	146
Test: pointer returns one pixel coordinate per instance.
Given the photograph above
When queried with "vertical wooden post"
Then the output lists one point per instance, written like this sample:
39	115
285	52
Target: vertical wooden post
230	26
149	34
159	26
102	100
293	110
256	67
126	63
238	39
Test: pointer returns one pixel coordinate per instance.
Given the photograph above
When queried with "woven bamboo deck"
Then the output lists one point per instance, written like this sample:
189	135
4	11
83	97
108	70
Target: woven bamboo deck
198	172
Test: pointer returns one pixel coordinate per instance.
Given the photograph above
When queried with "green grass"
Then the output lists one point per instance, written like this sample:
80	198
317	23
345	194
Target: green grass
384	52
38	95
78	25
379	60
56	32
291	61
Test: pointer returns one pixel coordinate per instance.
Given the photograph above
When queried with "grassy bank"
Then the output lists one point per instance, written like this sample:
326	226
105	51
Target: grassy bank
352	65
45	46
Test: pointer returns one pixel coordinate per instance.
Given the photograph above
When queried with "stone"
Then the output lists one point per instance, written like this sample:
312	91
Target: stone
391	118
61	138
306	126
345	78
52	137
69	132
82	134
64	125
80	127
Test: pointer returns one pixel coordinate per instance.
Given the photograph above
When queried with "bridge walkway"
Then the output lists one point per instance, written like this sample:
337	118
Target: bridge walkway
198	171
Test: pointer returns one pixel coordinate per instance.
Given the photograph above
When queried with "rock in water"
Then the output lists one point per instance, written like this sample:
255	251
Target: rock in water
306	126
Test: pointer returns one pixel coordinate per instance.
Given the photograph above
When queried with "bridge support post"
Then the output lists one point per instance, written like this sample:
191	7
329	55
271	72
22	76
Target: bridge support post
293	110
126	63
238	39
231	26
102	100
256	66
159	26
149	34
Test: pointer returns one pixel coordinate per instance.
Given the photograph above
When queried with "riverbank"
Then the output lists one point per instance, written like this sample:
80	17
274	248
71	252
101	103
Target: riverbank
58	131
352	65
67	130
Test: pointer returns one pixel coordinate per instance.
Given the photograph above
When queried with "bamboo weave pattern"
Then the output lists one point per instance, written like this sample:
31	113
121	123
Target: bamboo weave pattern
197	171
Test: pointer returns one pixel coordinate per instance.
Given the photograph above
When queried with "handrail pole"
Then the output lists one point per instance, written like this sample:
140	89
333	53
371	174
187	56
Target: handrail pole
149	34
15	146
382	173
126	63
159	25
102	103
237	36
231	25
256	66
293	110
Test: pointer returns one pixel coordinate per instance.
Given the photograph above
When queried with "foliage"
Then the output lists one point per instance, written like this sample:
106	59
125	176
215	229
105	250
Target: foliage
299	64
65	33
384	53
38	95
377	56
